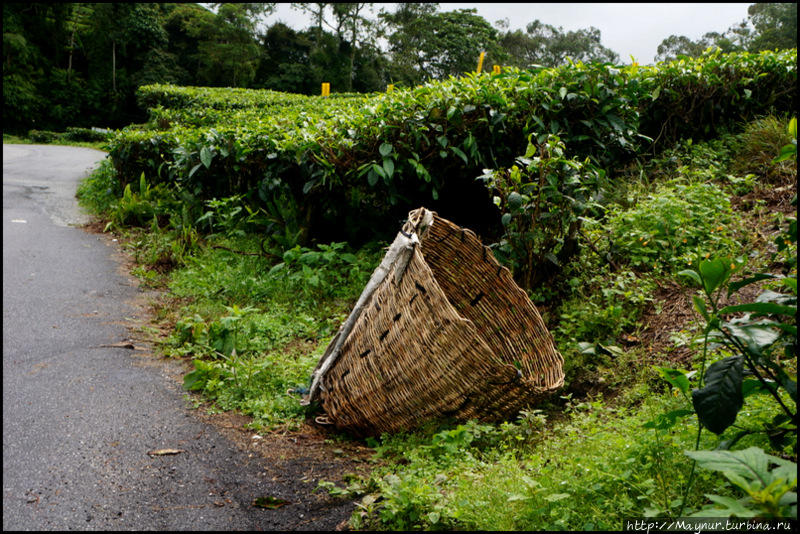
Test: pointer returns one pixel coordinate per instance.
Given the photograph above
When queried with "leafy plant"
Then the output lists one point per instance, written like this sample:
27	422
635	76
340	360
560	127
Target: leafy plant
322	271
754	340
766	480
139	208
789	150
676	226
760	141
374	155
543	203
100	191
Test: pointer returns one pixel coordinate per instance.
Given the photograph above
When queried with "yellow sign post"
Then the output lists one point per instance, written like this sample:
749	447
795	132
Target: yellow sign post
326	89
496	69
480	62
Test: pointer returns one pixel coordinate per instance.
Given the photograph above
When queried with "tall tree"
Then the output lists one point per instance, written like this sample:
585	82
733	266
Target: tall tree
228	49
36	82
425	43
285	60
317	12
458	39
775	26
350	18
544	44
186	26
769	26
406	30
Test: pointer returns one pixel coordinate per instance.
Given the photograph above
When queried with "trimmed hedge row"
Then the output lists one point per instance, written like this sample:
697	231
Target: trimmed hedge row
71	134
177	97
360	162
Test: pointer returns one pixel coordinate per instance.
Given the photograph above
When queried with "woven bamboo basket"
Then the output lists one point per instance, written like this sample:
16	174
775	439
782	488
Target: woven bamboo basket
441	331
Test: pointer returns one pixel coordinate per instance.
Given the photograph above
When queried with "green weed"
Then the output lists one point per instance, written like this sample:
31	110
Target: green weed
757	147
676	226
100	191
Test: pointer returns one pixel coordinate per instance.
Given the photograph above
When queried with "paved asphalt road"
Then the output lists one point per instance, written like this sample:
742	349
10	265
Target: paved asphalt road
79	418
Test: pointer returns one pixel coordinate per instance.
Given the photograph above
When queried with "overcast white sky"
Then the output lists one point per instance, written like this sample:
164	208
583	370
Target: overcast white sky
628	29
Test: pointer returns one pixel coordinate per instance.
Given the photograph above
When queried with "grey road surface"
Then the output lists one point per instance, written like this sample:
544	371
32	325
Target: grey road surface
79	417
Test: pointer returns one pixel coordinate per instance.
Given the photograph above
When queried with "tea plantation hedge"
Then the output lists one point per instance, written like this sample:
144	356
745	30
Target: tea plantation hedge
352	163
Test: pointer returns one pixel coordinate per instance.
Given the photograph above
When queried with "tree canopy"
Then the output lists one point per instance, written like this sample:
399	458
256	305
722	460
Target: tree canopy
769	26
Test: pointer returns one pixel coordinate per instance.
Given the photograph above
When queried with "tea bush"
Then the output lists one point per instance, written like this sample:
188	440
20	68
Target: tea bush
544	201
378	155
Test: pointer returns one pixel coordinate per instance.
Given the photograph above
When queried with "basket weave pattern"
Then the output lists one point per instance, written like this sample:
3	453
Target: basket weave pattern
455	338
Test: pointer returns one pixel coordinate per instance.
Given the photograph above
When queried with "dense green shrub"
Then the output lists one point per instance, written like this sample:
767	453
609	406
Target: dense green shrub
365	161
543	201
697	97
42	136
676	226
86	134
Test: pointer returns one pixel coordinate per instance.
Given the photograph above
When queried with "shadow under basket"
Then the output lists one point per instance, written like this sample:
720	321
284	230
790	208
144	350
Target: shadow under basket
444	333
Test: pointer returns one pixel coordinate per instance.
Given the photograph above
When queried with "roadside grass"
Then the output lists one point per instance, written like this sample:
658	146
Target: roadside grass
254	325
18	140
586	468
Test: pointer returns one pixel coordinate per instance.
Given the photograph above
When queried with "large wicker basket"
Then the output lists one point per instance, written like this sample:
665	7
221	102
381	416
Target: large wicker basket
440	331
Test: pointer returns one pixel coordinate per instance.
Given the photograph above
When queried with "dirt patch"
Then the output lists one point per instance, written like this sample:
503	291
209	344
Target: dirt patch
309	454
674	311
670	312
94	227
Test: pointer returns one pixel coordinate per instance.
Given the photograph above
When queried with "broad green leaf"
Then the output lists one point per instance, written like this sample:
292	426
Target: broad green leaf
388	167
693	275
656	92
675	377
194	169
714	273
385	149
700	306
736	286
514	200
372	177
749	468
756	337
778	298
205	156
731	506
761	308
378	170
718	403
460	154
786	152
